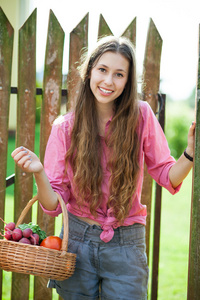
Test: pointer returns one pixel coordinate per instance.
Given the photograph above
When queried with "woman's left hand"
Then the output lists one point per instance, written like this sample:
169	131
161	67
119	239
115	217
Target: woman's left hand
191	141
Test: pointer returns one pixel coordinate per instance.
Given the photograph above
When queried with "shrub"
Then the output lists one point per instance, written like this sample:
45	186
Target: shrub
176	133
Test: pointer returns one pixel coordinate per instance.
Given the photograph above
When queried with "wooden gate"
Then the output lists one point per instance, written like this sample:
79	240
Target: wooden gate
52	94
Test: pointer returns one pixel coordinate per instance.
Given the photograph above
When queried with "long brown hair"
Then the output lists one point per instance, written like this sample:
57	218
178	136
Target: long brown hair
85	150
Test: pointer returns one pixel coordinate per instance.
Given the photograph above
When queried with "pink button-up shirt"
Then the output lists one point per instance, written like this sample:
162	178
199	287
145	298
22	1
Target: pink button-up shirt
153	149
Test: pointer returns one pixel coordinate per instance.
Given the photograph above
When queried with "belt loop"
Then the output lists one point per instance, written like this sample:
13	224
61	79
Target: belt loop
121	240
84	233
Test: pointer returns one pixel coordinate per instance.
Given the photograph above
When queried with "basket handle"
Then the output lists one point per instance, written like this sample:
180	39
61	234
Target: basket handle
65	218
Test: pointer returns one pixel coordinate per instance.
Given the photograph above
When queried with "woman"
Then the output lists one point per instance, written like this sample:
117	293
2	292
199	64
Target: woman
94	160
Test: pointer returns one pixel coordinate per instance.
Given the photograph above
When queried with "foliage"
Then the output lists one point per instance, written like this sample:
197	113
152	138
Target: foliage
38	102
179	116
176	134
38	108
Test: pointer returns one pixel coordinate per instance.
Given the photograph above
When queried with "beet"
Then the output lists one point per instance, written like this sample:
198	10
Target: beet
17	234
27	232
25	241
34	239
9	226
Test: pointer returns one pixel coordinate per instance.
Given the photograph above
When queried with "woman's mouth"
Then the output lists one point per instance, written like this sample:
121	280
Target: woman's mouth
105	91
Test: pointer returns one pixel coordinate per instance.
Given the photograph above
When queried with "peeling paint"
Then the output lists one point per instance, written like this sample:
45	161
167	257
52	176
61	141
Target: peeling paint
52	58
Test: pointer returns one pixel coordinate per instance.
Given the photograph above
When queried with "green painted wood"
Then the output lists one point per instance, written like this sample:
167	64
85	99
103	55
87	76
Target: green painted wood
78	44
194	252
6	50
130	32
151	81
103	29
25	132
52	86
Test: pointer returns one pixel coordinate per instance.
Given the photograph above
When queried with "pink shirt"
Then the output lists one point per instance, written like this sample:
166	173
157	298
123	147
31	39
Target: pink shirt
153	149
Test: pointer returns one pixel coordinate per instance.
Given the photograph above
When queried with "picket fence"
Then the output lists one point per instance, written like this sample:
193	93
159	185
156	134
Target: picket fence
52	94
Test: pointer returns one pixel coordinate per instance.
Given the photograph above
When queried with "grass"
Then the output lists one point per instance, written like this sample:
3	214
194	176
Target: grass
174	242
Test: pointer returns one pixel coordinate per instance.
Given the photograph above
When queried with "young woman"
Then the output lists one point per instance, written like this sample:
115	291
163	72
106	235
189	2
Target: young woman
94	160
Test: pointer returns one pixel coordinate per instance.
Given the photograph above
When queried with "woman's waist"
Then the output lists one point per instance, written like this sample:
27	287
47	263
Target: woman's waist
88	220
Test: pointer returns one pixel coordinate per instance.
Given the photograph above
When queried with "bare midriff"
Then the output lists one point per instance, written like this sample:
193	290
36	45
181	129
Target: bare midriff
89	221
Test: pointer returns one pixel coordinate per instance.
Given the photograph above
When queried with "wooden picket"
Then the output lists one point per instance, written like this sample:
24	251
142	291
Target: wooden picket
6	50
78	43
157	219
151	80
25	132
51	103
103	27
194	253
130	32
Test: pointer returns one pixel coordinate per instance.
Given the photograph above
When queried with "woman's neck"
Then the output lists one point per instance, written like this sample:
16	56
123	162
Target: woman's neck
104	112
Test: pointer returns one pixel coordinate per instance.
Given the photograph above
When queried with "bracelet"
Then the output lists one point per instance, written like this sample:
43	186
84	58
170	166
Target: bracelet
187	155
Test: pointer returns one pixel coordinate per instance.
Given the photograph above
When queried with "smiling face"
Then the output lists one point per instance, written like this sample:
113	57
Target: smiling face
108	78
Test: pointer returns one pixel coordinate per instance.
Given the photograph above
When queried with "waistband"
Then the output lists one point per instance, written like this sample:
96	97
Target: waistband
122	235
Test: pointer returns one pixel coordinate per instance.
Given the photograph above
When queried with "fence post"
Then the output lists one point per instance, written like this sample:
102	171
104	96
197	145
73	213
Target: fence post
151	81
52	86
25	133
157	221
194	252
6	50
78	42
130	32
103	27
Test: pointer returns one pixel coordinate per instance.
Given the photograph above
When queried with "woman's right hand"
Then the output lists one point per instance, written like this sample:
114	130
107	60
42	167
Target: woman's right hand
27	160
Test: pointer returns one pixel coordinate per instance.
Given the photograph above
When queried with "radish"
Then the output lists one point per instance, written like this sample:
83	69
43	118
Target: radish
9	226
27	232
25	241
7	235
35	239
17	234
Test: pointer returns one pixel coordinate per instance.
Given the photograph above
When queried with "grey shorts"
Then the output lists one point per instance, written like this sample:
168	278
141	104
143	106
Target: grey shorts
107	271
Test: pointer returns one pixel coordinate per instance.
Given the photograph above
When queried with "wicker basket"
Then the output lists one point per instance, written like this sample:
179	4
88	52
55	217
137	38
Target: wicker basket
37	260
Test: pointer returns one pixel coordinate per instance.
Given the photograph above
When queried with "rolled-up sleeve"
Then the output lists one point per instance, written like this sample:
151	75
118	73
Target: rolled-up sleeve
54	165
156	151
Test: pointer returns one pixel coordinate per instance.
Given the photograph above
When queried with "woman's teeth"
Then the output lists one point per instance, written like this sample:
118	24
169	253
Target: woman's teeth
105	91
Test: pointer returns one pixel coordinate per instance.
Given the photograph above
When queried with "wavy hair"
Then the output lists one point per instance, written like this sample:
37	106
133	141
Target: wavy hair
85	150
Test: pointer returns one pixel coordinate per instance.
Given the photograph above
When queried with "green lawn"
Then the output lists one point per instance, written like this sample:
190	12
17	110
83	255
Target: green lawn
174	247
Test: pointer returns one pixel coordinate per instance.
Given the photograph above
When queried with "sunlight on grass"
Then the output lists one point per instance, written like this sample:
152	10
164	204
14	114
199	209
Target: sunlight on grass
174	243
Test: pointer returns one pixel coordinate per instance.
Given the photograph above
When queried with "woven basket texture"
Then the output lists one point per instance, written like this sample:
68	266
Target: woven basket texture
37	260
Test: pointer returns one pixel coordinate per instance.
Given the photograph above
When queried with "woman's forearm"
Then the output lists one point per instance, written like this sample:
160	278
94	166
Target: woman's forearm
180	170
46	196
30	163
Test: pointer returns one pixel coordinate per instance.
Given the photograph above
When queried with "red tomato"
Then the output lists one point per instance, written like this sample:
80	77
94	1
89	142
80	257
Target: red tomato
52	242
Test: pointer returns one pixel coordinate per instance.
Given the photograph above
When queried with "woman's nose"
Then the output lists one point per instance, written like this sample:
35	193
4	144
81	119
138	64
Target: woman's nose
108	79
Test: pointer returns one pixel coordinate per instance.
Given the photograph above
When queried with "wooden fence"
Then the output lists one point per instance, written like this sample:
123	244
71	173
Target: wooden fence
52	94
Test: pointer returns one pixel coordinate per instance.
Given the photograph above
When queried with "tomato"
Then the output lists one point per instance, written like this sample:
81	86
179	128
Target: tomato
52	242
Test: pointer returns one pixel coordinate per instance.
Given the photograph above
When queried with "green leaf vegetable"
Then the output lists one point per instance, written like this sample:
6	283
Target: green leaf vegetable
35	228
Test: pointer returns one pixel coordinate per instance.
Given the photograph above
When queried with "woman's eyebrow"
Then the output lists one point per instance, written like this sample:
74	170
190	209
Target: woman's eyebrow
118	70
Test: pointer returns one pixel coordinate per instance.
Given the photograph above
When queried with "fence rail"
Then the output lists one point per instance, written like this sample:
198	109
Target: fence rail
52	93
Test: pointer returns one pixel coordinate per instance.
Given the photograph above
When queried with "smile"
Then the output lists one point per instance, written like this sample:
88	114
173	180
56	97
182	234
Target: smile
105	91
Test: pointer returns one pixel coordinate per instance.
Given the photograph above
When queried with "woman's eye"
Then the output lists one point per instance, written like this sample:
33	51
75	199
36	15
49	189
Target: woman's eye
102	70
119	75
